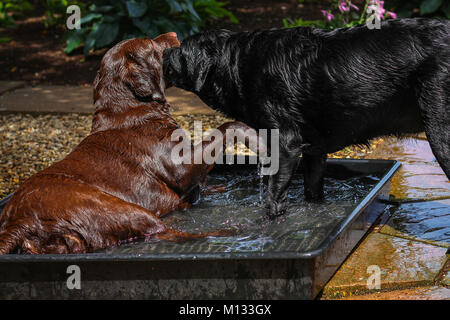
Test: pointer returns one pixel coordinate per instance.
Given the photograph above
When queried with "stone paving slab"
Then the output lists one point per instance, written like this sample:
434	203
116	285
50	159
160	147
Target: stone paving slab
6	86
48	99
184	102
420	177
402	263
423	293
78	99
427	221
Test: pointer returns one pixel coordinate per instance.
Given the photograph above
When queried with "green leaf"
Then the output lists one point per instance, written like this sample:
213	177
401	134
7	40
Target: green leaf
175	6
25	5
112	18
220	12
89	17
136	9
143	24
213	9
152	32
446	10
289	23
106	34
10	6
101	9
89	43
5	39
404	13
189	8
430	6
73	42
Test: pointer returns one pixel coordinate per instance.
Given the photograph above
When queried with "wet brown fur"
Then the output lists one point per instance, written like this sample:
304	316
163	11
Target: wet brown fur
119	181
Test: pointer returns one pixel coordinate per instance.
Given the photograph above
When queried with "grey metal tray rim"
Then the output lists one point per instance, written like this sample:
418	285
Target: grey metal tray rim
288	255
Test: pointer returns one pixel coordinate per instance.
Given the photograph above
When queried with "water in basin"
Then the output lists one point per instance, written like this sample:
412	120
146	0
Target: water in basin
234	204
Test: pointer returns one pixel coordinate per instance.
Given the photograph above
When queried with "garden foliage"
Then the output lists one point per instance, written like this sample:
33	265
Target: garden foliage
108	21
430	8
344	13
9	8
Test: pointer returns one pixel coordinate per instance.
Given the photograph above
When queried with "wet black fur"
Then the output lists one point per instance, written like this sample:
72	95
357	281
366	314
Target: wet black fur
324	90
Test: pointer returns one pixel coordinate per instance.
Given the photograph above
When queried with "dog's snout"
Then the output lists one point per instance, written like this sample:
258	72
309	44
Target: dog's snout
157	96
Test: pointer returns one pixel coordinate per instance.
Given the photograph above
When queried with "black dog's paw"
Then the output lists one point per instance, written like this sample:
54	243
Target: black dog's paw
314	197
276	209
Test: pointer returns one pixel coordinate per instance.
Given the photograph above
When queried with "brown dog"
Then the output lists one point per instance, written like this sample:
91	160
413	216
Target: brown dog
120	179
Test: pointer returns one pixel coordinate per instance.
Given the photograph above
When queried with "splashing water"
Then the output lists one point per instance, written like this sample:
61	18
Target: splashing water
261	183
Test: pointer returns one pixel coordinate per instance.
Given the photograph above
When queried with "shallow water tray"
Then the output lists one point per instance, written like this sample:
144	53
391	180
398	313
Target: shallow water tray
291	257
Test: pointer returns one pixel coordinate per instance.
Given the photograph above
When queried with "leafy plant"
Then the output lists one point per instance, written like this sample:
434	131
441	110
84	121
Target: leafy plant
290	23
430	8
5	39
9	8
108	21
208	9
343	13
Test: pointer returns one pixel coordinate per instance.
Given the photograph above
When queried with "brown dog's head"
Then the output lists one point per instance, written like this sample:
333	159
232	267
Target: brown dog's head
132	71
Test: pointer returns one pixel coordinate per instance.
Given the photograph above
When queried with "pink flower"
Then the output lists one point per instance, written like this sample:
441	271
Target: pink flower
327	14
343	6
377	6
392	14
353	6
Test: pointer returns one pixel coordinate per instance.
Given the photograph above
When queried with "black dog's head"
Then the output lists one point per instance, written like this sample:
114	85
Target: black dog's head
188	66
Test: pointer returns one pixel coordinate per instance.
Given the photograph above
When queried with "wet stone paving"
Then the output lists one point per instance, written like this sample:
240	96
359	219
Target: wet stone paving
411	242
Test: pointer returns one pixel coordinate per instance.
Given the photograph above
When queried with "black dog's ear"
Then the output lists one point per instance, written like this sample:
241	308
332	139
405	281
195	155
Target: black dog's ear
171	61
200	80
203	69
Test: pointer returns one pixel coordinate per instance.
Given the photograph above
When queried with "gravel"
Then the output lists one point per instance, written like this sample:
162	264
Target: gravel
31	142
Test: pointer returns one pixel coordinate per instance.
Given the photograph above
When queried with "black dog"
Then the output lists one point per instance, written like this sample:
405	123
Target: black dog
324	90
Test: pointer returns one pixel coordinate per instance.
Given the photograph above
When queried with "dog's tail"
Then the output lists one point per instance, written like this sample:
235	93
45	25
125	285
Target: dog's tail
9	241
178	236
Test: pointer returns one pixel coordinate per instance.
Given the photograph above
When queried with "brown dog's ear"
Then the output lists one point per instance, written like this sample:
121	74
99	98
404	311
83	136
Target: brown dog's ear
168	40
144	78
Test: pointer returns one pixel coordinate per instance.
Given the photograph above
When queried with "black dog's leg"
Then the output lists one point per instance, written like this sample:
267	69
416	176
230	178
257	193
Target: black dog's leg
290	149
314	170
278	184
440	143
434	103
